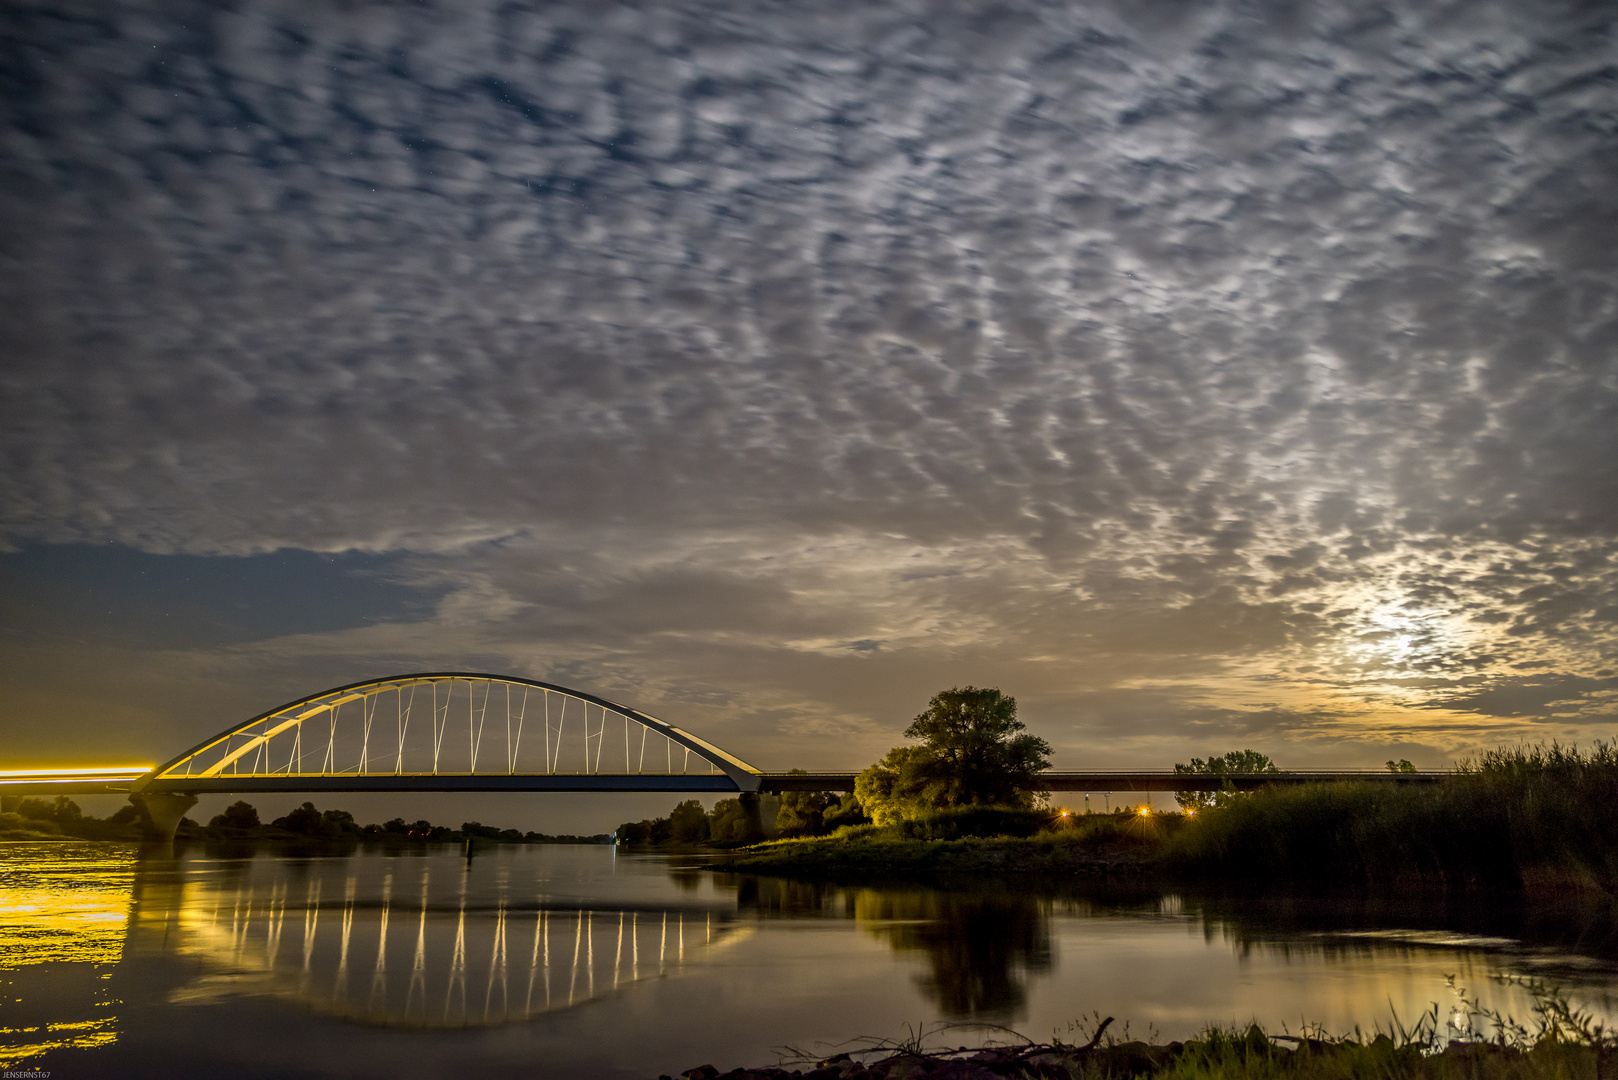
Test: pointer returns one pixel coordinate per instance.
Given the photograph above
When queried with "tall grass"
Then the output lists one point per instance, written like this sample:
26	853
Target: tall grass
1533	817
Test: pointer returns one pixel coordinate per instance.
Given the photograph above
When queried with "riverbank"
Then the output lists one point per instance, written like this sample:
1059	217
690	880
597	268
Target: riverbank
1112	848
1534	821
1250	1055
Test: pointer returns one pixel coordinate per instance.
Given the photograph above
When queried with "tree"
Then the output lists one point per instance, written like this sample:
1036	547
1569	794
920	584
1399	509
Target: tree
728	823
885	789
845	811
1236	761
39	814
338	822
975	751
812	813
305	819
238	815
688	823
802	813
1401	766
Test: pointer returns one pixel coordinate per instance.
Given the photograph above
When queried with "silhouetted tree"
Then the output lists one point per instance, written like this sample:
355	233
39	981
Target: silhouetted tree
1236	761
688	823
338	822
238	815
63	809
304	820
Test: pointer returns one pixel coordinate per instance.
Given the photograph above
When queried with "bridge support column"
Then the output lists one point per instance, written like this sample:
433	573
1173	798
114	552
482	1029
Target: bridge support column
161	812
751	806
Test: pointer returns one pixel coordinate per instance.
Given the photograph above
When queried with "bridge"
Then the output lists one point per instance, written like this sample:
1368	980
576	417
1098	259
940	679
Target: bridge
469	731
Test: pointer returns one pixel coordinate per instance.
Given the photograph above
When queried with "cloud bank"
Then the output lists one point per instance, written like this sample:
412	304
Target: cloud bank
1197	372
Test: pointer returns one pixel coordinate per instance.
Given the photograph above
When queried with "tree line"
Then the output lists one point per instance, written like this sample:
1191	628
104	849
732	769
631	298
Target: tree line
972	766
240	820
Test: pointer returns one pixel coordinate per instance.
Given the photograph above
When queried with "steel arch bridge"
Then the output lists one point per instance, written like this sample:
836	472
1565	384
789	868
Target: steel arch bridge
452	731
426	731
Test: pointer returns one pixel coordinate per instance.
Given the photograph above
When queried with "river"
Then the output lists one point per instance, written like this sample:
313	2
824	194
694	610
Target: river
585	961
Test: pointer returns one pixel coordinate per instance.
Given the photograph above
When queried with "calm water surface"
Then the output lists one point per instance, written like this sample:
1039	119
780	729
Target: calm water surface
579	961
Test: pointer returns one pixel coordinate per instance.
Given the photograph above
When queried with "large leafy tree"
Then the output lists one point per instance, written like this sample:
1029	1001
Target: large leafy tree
974	751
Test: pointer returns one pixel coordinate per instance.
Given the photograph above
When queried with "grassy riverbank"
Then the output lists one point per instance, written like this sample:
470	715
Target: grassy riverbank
1559	1042
1092	845
1536	820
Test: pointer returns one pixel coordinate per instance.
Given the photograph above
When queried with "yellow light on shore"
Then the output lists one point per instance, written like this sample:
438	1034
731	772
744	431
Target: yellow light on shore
1189	812
1145	811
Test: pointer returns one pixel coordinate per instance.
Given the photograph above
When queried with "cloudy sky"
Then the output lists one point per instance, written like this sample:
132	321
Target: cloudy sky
1204	375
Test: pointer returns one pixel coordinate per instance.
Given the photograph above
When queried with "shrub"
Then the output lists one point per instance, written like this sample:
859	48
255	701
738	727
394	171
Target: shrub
956	822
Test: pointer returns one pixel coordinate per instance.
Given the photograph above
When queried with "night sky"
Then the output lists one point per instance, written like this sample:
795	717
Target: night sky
1204	375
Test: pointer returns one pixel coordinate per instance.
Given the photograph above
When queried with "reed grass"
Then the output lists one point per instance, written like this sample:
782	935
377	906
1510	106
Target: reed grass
1536	818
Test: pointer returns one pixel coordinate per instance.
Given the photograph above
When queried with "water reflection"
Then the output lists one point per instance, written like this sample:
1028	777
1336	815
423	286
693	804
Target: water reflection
387	943
156	957
63	913
979	945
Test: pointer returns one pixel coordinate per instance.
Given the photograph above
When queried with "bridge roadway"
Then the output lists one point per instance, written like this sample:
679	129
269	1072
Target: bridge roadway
123	782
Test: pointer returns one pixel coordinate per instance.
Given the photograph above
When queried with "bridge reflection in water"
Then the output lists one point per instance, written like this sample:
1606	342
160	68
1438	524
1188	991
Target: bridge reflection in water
411	949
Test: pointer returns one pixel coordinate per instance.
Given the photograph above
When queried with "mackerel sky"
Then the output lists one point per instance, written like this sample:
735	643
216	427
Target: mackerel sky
1204	375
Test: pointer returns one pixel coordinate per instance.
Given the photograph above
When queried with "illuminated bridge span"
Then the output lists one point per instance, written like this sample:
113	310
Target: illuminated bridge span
453	731
465	731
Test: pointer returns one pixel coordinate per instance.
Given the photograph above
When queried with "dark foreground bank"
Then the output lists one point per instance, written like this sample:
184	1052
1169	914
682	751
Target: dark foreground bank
1221	1057
1561	1042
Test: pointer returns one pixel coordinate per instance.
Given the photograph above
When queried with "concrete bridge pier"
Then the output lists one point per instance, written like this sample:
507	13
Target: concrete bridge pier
752	806
161	812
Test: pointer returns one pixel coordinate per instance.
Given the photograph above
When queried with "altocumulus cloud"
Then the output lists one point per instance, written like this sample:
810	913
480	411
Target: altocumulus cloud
1196	372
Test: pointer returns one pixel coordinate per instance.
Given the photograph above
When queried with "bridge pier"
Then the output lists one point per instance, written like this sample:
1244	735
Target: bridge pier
161	812
753	807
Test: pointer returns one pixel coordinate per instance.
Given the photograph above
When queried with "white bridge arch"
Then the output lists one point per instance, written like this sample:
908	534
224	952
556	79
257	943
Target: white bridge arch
452	731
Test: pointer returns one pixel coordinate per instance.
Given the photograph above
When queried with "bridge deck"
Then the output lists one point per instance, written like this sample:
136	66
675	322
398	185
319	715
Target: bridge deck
1138	780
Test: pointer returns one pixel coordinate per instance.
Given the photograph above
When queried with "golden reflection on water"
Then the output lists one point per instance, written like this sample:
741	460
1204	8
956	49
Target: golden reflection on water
408	945
64	911
431	942
392	943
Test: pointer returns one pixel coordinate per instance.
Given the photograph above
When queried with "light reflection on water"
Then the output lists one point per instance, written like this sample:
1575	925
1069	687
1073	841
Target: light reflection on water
64	909
411	942
532	954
